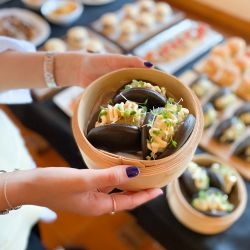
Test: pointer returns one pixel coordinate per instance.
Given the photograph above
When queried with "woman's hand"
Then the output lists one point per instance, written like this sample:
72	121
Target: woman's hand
83	68
80	191
96	65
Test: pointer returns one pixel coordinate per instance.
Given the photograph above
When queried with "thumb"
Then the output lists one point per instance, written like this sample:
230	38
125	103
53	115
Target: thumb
112	177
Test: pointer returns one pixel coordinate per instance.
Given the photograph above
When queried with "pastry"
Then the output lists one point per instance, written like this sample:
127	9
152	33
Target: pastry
145	21
77	37
130	11
109	22
146	5
94	46
55	44
162	10
228	75
212	65
127	29
236	45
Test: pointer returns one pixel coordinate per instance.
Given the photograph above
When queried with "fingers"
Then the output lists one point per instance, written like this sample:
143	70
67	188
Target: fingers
103	203
132	200
121	61
110	177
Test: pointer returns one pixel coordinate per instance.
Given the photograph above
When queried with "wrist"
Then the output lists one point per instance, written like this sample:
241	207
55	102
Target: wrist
68	68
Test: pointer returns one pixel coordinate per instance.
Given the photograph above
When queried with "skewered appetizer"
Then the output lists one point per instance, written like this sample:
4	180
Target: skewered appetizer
243	150
195	178
222	177
210	115
212	202
230	130
126	126
201	86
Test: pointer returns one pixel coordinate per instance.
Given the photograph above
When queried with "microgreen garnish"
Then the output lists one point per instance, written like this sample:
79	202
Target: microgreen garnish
174	143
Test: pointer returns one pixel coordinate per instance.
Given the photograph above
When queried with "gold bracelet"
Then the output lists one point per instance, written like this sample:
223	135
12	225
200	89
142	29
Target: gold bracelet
48	68
6	211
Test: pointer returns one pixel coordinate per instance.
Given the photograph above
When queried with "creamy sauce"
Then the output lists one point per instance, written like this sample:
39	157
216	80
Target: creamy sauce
164	126
123	113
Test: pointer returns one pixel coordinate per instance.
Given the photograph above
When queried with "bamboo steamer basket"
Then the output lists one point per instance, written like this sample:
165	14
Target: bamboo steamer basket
197	221
153	173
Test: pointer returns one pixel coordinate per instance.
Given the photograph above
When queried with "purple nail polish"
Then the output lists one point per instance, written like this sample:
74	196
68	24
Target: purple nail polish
132	171
148	64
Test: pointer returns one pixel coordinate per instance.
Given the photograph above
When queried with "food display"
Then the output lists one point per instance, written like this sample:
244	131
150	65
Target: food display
134	23
210	192
23	24
228	65
226	113
141	117
175	47
81	38
209	187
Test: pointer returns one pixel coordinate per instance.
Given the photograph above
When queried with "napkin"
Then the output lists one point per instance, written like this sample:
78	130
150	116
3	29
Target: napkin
15	227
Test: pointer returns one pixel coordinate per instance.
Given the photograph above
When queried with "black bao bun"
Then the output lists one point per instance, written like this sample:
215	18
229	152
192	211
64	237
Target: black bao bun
213	213
180	136
240	148
116	137
141	95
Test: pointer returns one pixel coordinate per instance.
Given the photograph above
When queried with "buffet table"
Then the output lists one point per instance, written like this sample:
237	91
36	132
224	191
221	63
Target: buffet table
47	119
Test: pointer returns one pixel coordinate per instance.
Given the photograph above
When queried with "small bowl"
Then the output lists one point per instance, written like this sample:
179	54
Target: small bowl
153	173
62	19
34	4
197	221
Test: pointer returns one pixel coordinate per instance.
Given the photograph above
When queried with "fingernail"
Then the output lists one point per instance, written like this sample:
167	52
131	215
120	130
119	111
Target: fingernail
148	64
132	171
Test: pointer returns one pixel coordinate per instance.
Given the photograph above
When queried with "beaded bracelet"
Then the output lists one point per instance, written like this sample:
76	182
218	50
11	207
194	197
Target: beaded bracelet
48	68
6	211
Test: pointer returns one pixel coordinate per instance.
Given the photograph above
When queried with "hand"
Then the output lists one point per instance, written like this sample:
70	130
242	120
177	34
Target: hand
96	65
77	190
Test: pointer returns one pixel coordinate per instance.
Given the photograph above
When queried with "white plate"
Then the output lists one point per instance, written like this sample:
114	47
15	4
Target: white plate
211	39
96	2
50	5
64	99
41	26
